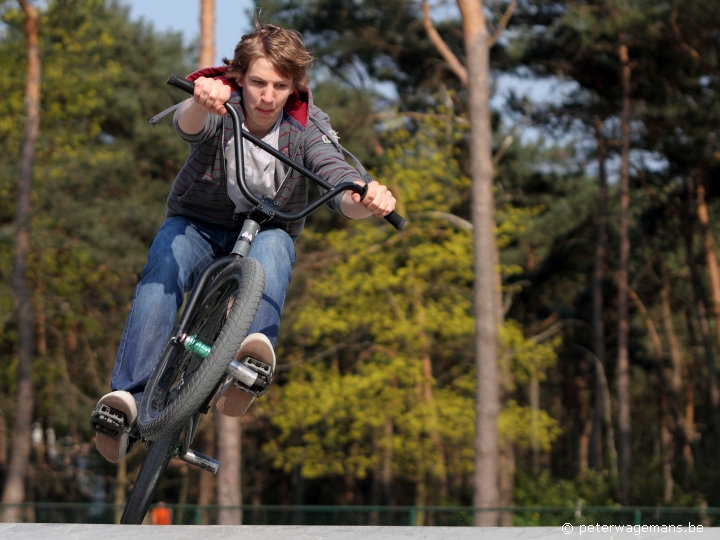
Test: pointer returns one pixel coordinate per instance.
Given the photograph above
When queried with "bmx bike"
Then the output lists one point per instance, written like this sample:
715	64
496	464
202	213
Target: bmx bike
200	355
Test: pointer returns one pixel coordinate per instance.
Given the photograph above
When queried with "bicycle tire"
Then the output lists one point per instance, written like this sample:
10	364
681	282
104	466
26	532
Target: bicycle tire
148	479
182	381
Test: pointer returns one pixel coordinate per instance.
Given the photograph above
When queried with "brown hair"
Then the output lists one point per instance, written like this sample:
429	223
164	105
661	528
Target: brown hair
283	48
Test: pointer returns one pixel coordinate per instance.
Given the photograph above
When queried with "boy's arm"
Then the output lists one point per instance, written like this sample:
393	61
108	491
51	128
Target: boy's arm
378	201
194	116
325	160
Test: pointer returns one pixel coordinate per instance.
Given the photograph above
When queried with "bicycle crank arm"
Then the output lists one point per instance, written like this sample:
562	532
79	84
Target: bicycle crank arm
201	461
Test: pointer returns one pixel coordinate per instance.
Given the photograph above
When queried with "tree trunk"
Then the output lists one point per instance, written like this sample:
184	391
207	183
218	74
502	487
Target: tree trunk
206	57
534	412
376	489
207	481
3	440
506	480
623	367
229	490
184	492
387	456
506	455
423	341
487	406
701	313
121	481
666	448
710	256
586	422
607	419
14	490
675	381
690	389
666	443
671	336
595	454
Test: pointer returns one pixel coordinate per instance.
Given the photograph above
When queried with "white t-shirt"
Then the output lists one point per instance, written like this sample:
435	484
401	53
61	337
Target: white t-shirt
259	169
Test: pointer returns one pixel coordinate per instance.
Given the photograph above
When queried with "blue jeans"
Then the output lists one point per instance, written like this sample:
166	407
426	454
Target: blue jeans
182	248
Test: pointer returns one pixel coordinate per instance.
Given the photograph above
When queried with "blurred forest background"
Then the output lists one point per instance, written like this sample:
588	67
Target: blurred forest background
374	402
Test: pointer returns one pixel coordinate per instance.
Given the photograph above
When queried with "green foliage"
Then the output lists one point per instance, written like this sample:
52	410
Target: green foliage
525	427
543	490
376	356
528	359
390	310
100	180
382	334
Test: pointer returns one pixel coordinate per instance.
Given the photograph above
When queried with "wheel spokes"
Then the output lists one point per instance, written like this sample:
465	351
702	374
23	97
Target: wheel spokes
206	327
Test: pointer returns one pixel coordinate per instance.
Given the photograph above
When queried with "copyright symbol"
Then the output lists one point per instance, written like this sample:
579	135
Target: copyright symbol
567	528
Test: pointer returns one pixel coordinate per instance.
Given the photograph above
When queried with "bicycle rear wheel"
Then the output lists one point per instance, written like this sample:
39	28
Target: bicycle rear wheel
183	380
147	481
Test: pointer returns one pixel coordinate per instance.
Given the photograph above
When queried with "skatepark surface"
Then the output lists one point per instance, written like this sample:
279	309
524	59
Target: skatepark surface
21	531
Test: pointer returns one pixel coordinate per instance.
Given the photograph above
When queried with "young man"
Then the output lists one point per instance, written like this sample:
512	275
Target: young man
266	82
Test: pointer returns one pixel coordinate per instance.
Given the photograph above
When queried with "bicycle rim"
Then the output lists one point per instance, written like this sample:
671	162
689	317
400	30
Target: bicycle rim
183	380
206	324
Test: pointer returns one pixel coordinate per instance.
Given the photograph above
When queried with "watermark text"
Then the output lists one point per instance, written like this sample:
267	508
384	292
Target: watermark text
634	529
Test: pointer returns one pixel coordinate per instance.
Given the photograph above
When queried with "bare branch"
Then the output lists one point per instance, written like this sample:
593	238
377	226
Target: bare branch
511	290
413	114
442	47
687	48
554	329
550	332
649	324
607	414
509	139
503	23
458	222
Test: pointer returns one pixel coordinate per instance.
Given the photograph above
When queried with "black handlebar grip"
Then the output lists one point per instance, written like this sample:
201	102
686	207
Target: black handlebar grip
396	220
181	83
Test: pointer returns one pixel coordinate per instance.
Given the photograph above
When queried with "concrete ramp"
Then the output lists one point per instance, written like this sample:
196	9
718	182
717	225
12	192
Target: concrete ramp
11	531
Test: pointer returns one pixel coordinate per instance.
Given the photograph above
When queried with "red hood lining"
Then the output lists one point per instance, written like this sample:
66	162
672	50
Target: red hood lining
297	105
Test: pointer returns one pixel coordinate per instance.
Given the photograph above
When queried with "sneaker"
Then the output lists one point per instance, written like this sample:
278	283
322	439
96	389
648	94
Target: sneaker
234	401
112	420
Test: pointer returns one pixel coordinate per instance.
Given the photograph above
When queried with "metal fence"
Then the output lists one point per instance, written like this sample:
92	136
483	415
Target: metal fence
386	515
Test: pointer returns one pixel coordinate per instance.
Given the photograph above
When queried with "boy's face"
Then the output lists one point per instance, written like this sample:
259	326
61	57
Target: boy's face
265	93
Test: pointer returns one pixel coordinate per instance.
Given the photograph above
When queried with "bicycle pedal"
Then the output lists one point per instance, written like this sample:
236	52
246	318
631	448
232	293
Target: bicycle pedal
200	461
251	375
108	421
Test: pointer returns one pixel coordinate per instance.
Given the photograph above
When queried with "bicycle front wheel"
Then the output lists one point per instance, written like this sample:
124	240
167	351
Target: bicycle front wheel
184	379
147	481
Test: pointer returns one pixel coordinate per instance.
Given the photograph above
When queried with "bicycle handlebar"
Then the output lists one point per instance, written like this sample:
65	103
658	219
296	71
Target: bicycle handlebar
395	219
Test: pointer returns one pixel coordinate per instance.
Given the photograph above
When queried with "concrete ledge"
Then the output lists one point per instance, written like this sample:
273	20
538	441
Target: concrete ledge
51	531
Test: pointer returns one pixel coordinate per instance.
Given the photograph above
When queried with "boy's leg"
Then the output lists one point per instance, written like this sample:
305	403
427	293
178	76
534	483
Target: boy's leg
275	250
180	251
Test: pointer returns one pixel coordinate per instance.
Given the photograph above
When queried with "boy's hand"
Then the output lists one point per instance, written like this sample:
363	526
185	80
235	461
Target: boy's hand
378	199
211	94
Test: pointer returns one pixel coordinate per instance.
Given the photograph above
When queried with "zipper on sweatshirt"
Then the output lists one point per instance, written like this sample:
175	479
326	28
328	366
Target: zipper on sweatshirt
225	175
290	169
